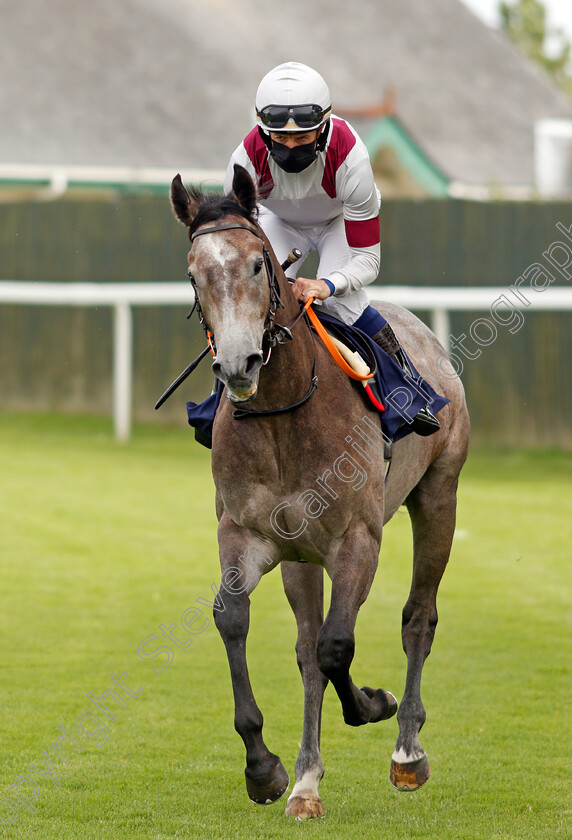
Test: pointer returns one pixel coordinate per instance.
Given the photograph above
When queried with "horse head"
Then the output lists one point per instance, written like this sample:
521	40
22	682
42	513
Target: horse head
233	277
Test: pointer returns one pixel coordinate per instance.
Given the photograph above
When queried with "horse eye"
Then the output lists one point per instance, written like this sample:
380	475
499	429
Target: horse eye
258	266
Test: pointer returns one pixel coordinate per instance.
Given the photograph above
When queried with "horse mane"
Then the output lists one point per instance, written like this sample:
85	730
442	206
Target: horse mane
213	207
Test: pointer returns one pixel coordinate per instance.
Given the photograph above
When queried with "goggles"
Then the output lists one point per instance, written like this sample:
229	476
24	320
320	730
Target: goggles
305	116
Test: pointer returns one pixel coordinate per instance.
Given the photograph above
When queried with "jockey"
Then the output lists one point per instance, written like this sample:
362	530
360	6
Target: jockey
317	193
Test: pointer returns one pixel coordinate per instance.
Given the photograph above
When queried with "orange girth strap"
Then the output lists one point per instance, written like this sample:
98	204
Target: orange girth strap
332	349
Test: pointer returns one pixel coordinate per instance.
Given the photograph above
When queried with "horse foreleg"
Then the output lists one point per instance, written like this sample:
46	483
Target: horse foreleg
304	587
352	577
431	506
266	778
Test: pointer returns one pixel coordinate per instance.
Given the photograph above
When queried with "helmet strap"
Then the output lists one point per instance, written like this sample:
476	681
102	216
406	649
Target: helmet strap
323	137
266	139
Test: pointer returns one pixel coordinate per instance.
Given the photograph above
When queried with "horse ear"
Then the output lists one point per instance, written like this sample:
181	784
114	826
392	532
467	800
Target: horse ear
243	188
184	206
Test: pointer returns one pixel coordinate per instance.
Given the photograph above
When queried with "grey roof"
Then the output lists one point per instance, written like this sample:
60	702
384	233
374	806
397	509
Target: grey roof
171	82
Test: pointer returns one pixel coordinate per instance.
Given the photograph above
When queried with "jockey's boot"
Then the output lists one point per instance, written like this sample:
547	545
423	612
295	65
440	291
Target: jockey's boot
424	423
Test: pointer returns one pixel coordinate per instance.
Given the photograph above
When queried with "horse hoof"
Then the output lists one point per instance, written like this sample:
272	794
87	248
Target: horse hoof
305	807
409	776
268	788
383	703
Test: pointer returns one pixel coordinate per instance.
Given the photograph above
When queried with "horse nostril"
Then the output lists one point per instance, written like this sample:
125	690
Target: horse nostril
253	362
238	370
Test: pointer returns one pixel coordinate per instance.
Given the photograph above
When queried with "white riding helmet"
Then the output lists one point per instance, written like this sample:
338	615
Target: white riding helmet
292	97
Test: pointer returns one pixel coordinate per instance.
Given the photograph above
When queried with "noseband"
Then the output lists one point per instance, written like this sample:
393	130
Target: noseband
274	333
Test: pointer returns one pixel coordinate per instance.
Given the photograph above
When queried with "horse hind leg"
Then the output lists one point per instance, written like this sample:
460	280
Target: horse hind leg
303	584
432	508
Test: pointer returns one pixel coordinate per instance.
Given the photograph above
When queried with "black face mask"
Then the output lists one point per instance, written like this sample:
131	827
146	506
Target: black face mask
296	159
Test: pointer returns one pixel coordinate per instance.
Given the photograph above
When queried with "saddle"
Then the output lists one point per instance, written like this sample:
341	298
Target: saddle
350	360
401	395
346	353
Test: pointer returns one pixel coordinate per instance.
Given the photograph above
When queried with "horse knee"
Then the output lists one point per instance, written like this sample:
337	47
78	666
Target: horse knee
232	622
418	628
302	657
335	653
248	720
305	653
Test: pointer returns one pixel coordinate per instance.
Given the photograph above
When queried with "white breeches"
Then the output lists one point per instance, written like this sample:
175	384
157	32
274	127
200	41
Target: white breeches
329	240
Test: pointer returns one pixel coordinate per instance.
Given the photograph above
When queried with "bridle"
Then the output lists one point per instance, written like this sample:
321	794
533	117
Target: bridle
273	333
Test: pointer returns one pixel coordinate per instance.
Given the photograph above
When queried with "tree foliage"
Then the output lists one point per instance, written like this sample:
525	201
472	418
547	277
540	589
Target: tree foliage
524	21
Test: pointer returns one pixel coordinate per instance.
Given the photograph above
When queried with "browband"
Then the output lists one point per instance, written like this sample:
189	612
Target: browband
224	227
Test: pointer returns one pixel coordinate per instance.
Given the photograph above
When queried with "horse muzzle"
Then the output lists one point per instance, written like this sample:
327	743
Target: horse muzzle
240	376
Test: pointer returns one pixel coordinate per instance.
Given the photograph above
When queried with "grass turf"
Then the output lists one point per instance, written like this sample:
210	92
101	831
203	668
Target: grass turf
101	544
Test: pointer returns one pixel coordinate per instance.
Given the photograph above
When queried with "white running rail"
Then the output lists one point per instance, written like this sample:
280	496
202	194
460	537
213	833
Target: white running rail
122	297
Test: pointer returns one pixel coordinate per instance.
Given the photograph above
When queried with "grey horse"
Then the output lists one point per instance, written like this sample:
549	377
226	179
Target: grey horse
301	482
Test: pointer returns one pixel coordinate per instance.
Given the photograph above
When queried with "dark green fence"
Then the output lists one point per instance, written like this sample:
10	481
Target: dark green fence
519	389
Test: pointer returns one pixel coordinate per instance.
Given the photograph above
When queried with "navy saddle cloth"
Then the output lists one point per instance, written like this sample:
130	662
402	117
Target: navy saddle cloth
402	396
